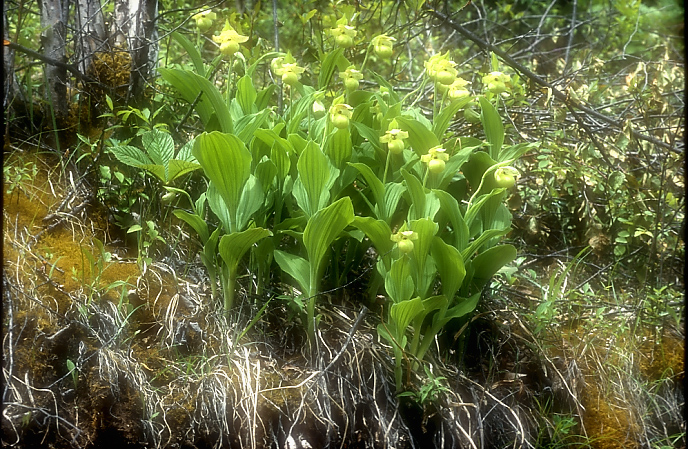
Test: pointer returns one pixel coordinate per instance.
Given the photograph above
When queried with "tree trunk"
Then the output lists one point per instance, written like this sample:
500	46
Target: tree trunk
91	35
134	28
54	24
10	89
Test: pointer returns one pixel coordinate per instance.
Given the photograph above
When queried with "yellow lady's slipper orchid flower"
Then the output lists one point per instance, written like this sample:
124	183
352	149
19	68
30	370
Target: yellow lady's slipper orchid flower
496	82
351	77
340	114
204	20
404	240
343	34
229	40
291	73
457	89
441	69
383	45
505	176
394	138
435	159
286	68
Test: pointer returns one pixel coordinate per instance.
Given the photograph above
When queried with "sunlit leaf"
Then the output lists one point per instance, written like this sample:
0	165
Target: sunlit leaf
233	246
492	124
450	266
323	228
296	267
246	94
197	223
227	163
402	313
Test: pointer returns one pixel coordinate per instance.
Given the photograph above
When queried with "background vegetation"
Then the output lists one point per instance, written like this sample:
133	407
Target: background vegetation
137	304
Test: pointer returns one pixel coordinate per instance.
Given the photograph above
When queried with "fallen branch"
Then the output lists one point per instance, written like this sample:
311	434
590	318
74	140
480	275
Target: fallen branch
76	72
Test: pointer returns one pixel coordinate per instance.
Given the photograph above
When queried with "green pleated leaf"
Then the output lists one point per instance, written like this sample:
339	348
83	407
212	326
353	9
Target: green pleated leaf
177	169
296	267
300	110
474	170
372	181
398	282
227	163
189	85
450	207
280	149
426	230
441	122
487	263
379	233
420	138
314	179
197	223
323	228
393	97
450	265
464	307
192	51
476	244
331	61
233	246
393	193
424	204
367	133
402	313
433	303
339	147
246	126
246	94
266	172
515	151
264	96
492	125
219	207
251	200
452	166
297	142
475	208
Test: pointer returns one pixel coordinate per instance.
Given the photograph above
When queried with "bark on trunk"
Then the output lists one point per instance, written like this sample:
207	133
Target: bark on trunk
91	37
54	24
10	89
134	29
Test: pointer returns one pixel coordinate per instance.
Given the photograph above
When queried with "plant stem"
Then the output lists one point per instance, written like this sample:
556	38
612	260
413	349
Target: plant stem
228	284
387	163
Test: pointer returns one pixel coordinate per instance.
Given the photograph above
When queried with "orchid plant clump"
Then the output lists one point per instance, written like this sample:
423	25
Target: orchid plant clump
310	188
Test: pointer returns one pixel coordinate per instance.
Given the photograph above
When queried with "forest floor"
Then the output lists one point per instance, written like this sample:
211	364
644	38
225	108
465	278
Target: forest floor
99	352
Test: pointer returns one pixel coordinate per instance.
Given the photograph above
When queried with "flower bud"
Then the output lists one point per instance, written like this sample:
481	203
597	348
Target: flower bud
471	115
318	109
168	197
